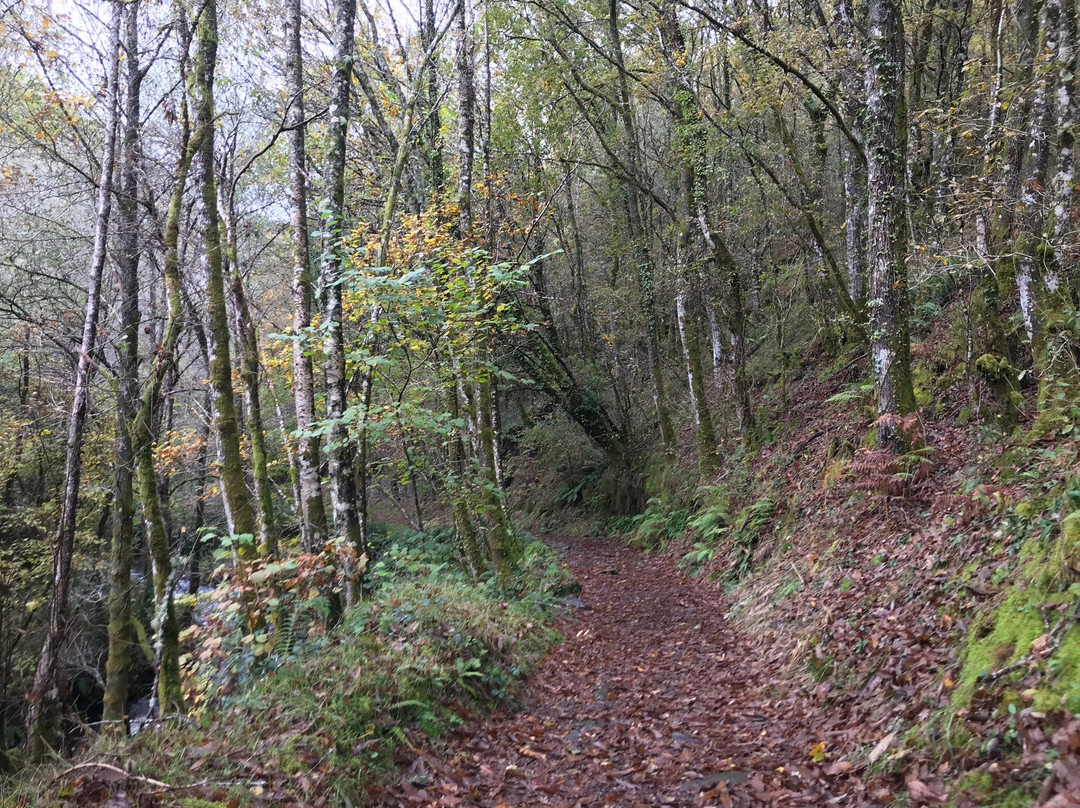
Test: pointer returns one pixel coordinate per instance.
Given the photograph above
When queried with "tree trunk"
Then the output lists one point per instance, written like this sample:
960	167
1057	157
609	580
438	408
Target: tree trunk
313	530
42	715
1064	247
127	271
466	120
1045	291
886	145
151	406
432	138
247	341
697	244
234	486
708	458
854	164
343	494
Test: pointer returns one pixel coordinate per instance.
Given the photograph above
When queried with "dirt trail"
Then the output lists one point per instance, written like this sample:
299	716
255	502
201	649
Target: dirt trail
653	699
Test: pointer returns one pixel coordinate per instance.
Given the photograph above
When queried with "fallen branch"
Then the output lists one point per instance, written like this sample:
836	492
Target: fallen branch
150	781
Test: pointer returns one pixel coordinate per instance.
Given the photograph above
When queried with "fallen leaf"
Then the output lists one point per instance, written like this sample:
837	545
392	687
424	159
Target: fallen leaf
882	746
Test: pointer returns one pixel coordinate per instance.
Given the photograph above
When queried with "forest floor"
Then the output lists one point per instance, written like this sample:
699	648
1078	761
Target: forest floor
654	698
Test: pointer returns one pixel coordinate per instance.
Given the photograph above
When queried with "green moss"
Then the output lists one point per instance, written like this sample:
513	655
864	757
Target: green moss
1041	575
1016	624
978	785
923	381
993	367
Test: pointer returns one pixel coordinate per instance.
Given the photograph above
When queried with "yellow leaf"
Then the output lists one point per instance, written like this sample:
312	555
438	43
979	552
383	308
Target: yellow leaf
817	752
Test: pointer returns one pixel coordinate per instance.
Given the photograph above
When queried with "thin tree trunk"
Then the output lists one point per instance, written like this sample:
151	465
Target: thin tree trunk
886	145
313	529
1064	247
247	342
466	120
342	454
234	486
127	269
1031	206
697	243
152	405
854	163
42	715
638	238
708	458
433	153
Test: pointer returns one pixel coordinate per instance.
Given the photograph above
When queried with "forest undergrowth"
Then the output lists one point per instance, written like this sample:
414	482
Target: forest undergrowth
327	705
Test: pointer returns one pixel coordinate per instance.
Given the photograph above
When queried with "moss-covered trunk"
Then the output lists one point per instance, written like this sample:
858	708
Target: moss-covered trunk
118	662
239	511
247	339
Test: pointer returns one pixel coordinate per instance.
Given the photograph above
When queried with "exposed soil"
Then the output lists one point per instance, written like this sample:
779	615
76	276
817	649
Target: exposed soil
654	698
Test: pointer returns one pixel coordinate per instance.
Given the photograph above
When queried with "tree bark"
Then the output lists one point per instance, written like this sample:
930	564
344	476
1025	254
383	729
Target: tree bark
886	145
237	497
466	120
42	715
313	529
127	270
247	341
342	455
854	162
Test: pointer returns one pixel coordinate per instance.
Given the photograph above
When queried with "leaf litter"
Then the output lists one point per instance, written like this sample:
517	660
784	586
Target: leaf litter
654	698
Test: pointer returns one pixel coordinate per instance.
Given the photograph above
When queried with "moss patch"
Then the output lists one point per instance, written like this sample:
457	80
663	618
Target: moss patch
1007	635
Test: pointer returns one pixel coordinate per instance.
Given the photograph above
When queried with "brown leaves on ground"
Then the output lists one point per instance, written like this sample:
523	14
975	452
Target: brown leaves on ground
655	698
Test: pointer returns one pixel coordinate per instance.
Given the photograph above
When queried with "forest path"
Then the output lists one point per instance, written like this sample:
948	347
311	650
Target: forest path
654	698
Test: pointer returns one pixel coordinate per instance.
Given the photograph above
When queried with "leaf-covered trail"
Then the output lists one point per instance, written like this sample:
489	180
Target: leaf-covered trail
654	698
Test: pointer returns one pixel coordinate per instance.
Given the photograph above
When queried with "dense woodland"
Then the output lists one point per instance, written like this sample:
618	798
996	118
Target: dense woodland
281	282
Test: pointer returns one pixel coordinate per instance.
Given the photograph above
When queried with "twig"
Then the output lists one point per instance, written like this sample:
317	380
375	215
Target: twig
117	770
150	781
808	441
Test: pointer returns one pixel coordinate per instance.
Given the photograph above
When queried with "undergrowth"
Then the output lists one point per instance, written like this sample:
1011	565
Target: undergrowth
319	720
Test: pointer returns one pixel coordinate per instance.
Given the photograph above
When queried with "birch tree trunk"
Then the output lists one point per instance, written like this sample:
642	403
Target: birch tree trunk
1046	250
42	715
